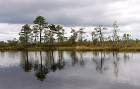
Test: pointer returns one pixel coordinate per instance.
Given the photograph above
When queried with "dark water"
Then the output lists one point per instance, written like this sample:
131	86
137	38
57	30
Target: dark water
69	70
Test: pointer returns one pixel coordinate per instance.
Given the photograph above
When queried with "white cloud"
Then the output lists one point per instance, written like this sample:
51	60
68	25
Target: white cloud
70	13
9	31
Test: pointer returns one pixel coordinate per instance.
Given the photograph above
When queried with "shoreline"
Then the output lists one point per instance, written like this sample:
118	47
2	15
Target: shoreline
71	48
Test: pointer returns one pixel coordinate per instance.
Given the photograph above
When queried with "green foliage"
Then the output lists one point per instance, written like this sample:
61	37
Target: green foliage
52	32
44	36
80	35
73	37
115	35
35	33
25	34
60	33
40	25
98	33
126	37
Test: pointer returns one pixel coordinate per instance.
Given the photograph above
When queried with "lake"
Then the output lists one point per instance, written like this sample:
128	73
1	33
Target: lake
69	70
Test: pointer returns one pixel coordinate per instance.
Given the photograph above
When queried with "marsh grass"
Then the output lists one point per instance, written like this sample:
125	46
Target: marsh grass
42	47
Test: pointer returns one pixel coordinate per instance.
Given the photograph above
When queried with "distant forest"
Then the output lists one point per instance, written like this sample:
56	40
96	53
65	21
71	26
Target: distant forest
43	34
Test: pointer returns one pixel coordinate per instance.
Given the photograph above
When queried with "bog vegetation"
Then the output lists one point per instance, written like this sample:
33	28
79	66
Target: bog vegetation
44	36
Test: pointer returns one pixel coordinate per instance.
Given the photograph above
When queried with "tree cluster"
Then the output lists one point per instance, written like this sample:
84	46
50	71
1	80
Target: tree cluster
49	34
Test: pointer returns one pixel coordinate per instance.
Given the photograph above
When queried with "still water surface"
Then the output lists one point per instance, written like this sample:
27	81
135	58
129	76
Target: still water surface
69	70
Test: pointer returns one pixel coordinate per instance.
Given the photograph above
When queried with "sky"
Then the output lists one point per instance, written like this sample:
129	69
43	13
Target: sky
70	13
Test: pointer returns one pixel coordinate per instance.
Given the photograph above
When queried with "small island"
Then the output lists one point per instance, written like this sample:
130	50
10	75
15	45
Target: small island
44	36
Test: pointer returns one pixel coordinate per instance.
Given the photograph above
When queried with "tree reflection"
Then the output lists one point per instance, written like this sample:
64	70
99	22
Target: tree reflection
77	59
61	61
36	62
74	58
42	65
82	62
53	65
41	71
116	63
99	60
126	57
26	65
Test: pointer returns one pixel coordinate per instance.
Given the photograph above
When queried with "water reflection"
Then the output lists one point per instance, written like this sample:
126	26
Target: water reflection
74	58
40	70
26	64
116	63
44	63
99	61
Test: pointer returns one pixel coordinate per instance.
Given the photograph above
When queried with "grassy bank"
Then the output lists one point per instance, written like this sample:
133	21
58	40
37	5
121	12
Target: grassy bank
70	48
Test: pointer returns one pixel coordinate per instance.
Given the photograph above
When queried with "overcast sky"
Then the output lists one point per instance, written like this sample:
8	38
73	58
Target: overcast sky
70	13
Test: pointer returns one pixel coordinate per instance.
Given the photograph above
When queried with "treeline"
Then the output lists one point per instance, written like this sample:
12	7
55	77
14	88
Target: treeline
43	34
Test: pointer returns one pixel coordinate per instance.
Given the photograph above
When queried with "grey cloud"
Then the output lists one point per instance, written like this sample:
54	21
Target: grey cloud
65	12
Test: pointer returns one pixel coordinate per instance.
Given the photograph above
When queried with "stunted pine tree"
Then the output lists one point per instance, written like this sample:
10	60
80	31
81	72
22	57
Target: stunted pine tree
52	32
73	37
115	36
35	33
99	31
41	24
126	38
94	37
60	33
25	34
80	32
